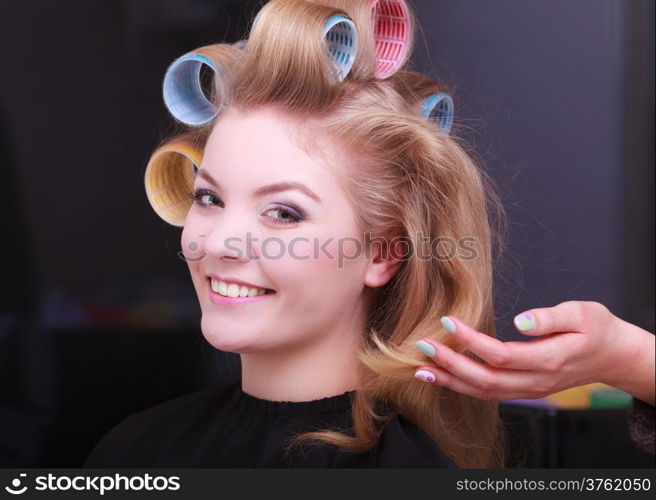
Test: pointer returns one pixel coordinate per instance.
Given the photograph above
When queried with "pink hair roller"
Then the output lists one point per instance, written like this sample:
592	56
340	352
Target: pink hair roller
391	20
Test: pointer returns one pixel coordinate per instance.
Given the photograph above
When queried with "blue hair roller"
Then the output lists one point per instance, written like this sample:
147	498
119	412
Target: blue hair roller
342	39
182	91
439	109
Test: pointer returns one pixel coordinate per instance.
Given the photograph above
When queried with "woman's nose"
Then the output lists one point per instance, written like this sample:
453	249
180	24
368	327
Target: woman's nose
229	240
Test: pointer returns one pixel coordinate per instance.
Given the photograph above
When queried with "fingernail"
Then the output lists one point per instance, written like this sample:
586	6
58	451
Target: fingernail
426	348
448	323
425	376
525	322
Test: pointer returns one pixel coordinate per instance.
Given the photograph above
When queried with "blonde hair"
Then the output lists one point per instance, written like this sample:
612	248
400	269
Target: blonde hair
406	177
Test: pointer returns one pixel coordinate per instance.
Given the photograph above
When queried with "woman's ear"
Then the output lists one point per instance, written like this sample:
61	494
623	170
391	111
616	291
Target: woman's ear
384	261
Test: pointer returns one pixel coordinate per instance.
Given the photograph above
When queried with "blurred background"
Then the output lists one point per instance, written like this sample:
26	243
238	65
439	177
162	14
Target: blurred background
98	315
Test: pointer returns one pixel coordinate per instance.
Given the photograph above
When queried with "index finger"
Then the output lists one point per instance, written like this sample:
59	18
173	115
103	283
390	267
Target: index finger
543	353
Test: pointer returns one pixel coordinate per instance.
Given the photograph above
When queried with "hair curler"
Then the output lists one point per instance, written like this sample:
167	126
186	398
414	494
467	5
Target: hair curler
182	90
439	109
183	93
342	39
169	179
391	19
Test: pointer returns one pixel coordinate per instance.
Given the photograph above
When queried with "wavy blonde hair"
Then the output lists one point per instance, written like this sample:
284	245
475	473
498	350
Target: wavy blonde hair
405	177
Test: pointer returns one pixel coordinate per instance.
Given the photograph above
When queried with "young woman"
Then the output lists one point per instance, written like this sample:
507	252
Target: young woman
328	224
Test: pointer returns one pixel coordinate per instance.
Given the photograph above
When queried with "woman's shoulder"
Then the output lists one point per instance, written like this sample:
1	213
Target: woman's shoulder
139	437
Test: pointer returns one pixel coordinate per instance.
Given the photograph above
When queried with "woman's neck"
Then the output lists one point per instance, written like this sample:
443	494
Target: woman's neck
327	367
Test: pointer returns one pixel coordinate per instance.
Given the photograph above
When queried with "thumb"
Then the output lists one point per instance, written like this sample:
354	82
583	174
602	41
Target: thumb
564	317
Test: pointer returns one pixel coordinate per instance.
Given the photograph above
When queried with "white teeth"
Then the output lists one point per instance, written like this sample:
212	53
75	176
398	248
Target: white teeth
234	290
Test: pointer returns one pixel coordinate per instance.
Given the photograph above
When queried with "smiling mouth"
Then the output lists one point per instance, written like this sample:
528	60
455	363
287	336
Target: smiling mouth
233	290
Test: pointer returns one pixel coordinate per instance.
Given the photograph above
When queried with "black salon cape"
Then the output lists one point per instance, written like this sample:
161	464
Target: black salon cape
226	427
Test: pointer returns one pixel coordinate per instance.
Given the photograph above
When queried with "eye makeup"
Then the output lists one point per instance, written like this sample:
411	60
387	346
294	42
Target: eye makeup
287	214
292	216
200	194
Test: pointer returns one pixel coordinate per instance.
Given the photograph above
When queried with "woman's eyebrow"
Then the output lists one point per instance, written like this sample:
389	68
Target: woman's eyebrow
269	188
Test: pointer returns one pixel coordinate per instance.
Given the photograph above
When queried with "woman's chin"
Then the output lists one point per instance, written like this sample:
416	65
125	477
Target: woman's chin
228	337
226	342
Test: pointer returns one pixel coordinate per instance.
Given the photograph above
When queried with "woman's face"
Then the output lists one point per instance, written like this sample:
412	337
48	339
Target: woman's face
287	240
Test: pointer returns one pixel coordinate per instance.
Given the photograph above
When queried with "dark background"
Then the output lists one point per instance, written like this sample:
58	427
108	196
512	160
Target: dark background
98	316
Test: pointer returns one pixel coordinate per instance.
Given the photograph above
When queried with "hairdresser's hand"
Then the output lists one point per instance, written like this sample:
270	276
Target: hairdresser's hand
577	343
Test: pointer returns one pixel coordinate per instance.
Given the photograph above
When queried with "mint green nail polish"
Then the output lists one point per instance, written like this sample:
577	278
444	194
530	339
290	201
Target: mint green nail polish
525	322
448	323
426	348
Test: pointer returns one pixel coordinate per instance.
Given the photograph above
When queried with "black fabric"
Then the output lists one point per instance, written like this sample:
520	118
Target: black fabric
226	427
642	425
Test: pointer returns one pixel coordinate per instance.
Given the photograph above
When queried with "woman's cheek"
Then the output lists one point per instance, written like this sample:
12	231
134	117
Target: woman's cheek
323	256
300	249
191	244
302	259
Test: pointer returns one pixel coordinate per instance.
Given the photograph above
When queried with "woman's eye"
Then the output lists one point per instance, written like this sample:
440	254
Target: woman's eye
205	198
284	215
279	214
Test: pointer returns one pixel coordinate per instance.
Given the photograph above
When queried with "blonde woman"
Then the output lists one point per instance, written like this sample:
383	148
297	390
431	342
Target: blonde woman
348	224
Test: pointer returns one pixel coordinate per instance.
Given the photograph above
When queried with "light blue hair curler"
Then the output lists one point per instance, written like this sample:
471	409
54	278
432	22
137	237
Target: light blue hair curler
342	39
183	94
439	109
